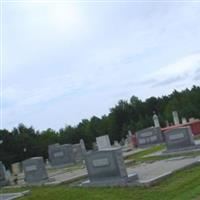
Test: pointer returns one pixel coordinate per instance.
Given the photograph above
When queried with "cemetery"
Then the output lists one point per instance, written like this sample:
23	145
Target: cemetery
158	157
100	100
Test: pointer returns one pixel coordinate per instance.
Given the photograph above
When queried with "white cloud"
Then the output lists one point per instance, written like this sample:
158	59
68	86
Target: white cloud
178	71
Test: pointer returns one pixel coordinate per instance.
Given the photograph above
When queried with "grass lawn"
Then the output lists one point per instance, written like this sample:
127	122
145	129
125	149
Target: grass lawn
139	157
183	185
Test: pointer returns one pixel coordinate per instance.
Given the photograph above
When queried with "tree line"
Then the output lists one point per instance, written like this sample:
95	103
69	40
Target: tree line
23	142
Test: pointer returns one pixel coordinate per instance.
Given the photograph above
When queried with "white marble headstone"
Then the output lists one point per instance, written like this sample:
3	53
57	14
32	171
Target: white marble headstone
103	142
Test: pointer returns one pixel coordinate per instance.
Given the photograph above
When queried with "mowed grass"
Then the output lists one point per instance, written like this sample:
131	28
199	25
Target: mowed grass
140	156
182	185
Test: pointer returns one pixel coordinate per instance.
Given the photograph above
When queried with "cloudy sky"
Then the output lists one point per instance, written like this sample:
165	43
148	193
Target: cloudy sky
64	61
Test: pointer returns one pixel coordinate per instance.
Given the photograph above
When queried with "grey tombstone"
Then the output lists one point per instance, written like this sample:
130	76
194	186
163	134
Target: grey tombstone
61	155
116	144
149	136
107	168
94	146
3	175
179	139
34	170
77	153
16	168
184	120
103	142
82	143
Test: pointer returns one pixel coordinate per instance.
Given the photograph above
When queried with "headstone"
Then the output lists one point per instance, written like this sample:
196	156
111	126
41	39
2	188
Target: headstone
175	117
107	168
129	140
156	120
126	143
34	170
184	120
61	155
116	144
191	119
122	142
94	146
82	143
16	168
179	138
149	136
167	123
3	175
103	142
77	153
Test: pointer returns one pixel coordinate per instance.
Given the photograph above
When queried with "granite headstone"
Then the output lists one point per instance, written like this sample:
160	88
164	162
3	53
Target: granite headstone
34	170
149	136
107	168
77	153
179	138
61	155
3	175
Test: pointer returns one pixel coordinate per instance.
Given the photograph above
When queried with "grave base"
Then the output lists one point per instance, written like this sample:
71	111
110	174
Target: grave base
4	182
132	179
11	196
37	183
62	165
182	150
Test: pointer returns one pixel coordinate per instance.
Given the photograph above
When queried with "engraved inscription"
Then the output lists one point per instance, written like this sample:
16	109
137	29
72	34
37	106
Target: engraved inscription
103	142
142	141
31	168
176	136
153	138
101	162
146	134
58	154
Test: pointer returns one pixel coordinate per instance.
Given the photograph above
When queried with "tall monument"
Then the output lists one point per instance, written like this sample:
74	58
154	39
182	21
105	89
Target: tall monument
156	120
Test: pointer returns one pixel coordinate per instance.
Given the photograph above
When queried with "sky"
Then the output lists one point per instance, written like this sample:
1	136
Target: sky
65	61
